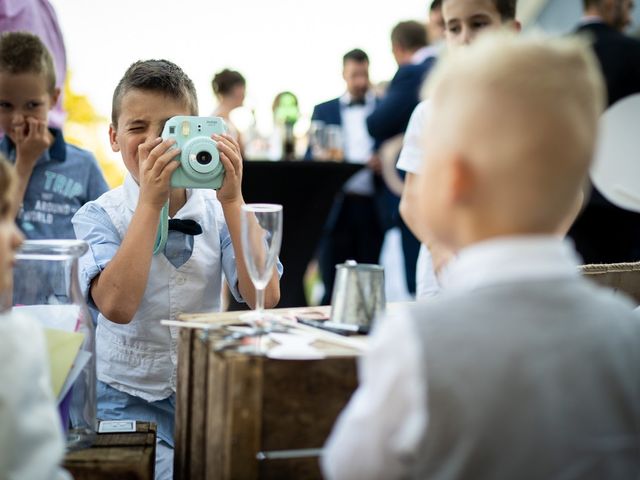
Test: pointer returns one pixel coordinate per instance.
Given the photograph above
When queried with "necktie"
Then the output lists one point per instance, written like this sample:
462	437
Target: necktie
188	227
357	102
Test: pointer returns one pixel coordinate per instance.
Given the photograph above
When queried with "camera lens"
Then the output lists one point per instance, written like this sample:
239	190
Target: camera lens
203	158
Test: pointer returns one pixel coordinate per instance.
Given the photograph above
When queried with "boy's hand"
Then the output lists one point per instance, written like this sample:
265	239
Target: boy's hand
32	140
155	169
231	159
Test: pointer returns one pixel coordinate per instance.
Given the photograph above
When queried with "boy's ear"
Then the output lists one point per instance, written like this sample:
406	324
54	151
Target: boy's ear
112	138
55	95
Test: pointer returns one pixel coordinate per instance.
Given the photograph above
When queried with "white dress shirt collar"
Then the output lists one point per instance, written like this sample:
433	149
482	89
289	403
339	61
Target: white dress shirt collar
369	98
509	259
423	53
132	193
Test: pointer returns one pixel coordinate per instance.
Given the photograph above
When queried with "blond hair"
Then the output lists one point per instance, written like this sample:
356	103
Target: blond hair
525	110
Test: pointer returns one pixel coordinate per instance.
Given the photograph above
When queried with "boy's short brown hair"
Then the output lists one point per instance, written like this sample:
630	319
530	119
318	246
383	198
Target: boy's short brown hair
409	35
160	76
7	183
506	9
23	52
224	82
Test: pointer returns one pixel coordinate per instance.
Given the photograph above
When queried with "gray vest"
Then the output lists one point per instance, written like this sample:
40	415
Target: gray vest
531	380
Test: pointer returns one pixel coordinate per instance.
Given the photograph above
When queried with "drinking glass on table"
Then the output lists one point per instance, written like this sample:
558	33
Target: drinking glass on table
261	238
317	141
334	143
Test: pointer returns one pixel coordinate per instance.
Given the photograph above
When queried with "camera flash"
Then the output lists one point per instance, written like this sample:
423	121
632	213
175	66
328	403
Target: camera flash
186	129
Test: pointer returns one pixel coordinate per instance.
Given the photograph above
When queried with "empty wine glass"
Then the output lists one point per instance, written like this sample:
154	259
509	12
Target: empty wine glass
261	239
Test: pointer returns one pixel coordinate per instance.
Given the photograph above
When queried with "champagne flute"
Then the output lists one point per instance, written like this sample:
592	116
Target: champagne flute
261	239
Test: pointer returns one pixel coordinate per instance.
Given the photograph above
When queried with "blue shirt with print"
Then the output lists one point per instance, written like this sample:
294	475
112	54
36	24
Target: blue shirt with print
64	178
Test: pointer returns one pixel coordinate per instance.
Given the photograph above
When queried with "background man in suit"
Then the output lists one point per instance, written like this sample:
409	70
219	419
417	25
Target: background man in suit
354	230
391	116
409	47
604	233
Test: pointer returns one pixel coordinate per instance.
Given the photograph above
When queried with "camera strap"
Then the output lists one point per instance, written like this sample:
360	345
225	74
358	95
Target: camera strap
163	230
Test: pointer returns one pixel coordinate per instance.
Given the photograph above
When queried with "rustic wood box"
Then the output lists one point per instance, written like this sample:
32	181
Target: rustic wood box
240	416
116	456
622	277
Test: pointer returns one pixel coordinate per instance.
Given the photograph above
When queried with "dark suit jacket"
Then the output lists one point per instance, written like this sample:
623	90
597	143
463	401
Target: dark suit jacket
619	57
328	112
392	113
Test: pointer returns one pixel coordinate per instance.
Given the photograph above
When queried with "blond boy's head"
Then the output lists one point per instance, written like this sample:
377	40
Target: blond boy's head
512	136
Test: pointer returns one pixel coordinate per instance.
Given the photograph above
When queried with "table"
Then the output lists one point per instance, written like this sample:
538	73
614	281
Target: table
116	456
306	189
250	417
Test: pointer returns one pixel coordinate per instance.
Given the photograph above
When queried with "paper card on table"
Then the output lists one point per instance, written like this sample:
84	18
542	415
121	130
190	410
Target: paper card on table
81	360
59	317
117	426
62	348
293	347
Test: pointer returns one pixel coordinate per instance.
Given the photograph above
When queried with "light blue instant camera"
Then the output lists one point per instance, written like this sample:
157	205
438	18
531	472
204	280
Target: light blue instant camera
200	165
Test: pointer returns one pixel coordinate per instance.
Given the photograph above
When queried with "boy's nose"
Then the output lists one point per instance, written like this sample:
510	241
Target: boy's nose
467	36
17	119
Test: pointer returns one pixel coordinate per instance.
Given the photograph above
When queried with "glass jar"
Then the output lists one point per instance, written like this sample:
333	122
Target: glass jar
46	287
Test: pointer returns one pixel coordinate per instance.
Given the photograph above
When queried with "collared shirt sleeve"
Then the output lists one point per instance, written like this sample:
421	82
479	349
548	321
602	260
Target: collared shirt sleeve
412	153
92	224
228	256
377	435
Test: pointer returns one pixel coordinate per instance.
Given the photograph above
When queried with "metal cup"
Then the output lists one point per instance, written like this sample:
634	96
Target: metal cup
358	293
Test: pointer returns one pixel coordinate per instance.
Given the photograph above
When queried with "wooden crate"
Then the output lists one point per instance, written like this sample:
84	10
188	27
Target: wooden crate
233	407
116	456
621	277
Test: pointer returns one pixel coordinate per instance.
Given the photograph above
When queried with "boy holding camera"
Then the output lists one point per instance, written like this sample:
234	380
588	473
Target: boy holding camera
134	289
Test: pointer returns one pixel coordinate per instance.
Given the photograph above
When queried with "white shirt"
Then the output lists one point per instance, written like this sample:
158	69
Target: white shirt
410	160
379	431
423	53
358	144
412	153
31	440
140	358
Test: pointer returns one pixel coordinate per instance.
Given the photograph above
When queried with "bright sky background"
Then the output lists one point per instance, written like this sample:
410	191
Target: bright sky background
277	45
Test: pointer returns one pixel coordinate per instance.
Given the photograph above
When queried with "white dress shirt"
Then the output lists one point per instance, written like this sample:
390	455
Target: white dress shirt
423	53
410	160
358	144
378	433
412	153
140	358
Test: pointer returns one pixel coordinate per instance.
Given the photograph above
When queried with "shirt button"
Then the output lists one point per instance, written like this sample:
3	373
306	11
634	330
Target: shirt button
180	280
